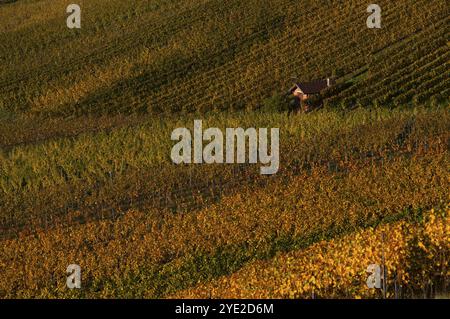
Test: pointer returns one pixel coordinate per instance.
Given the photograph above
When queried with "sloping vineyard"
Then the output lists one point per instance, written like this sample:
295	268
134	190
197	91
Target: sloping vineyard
48	182
416	254
378	167
208	55
153	253
418	70
86	117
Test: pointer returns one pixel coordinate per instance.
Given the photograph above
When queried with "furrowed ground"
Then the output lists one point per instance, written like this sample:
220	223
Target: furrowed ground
85	123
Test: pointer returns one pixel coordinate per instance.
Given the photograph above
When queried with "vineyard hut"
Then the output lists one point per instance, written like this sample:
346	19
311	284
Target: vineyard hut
304	90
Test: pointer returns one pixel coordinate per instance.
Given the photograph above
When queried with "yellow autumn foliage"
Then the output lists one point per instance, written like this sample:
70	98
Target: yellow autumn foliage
415	254
153	253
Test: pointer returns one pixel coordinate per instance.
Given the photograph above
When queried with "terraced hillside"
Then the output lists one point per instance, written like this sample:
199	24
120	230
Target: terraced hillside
86	177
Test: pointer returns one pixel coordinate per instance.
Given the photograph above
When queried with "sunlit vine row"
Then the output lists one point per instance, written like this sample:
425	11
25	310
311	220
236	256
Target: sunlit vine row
416	257
153	252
